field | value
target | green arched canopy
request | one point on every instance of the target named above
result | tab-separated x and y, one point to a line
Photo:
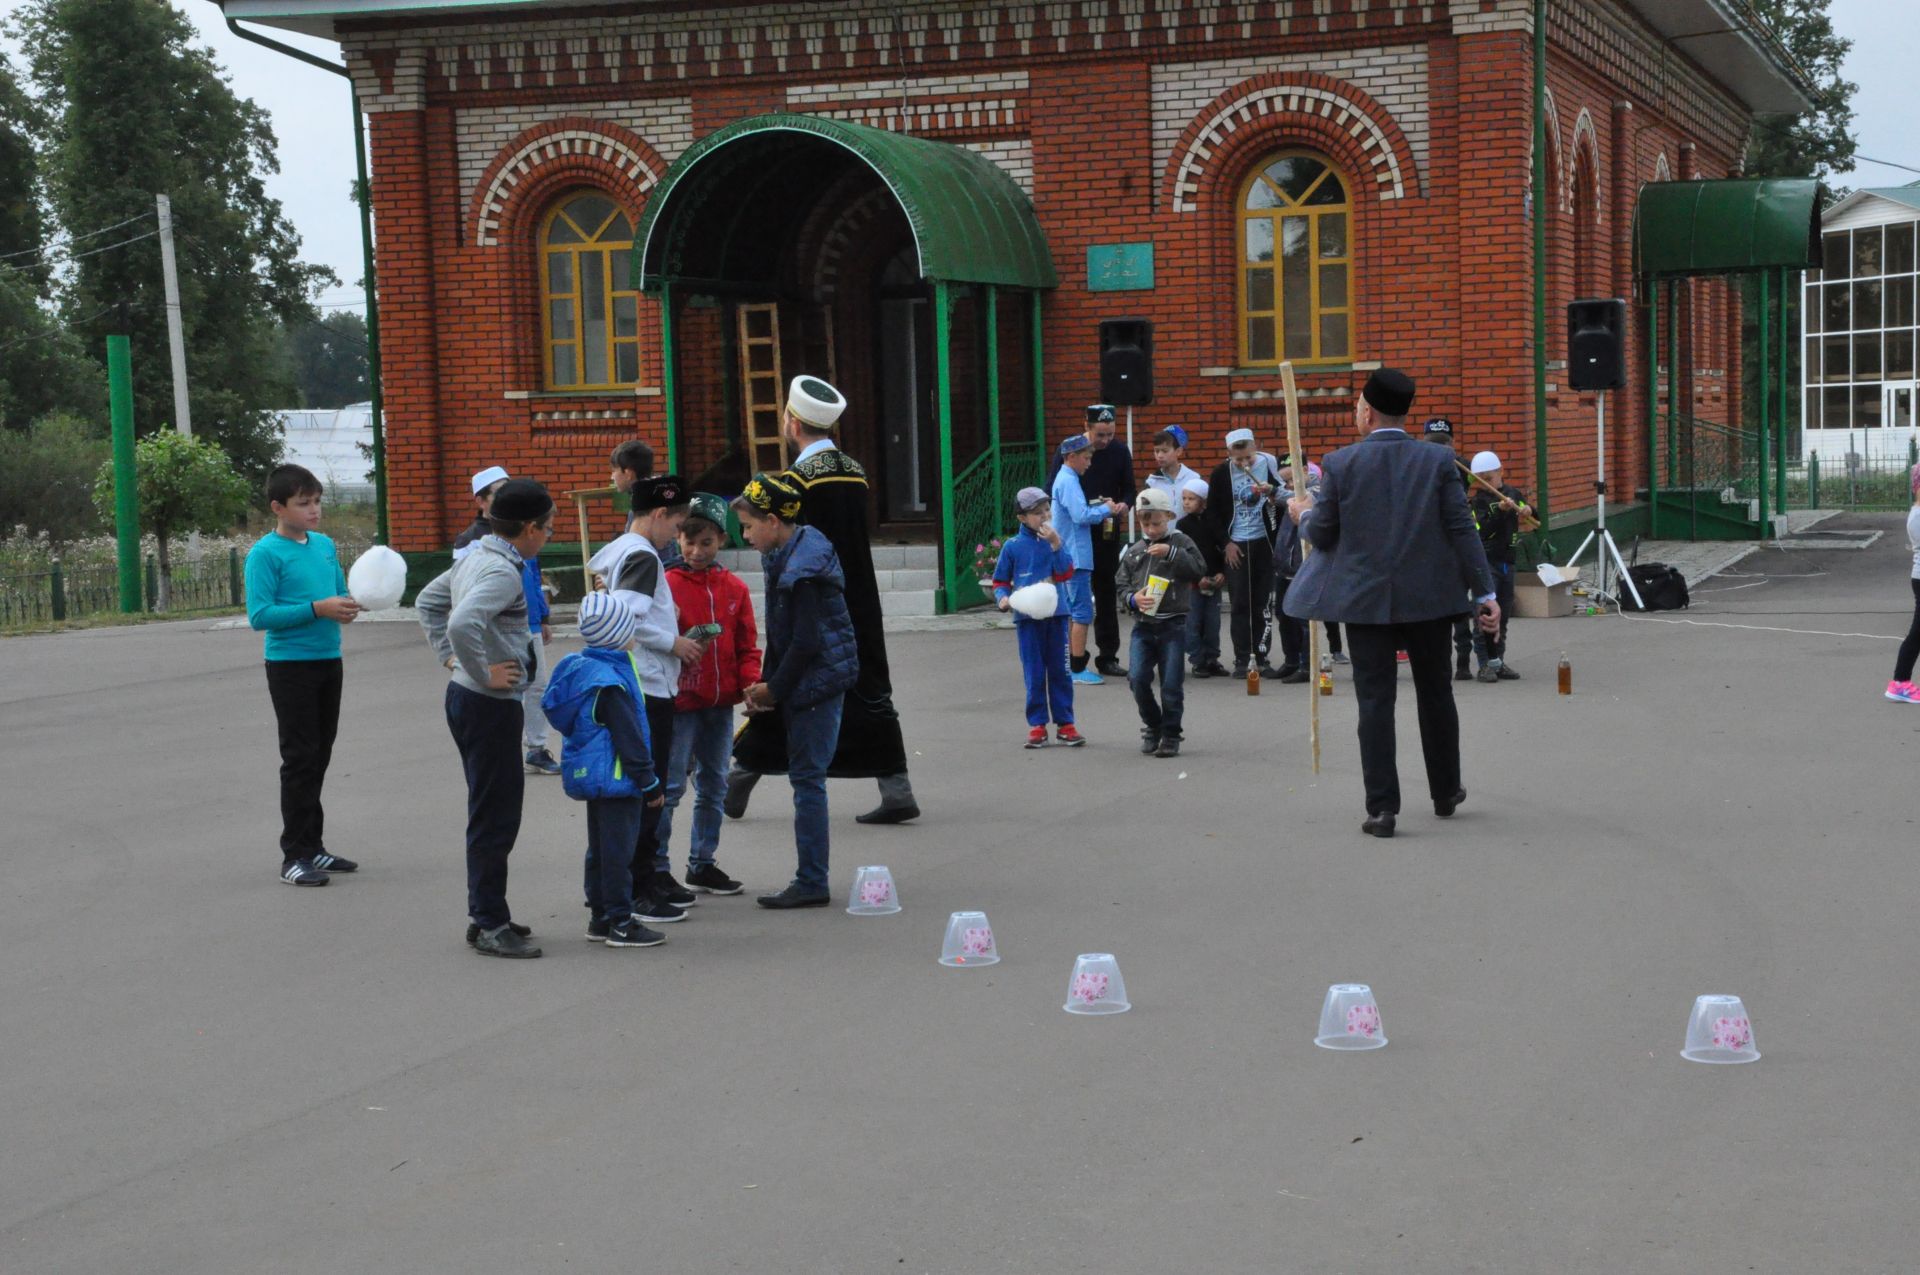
716	213
1726	227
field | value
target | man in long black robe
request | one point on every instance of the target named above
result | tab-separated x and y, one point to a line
834	488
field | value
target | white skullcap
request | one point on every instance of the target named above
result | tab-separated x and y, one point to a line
1198	486
1238	436
815	402
487	478
1484	463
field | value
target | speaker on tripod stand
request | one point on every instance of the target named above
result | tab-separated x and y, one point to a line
1597	360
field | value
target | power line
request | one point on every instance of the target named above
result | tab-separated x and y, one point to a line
74	239
1885	163
65	328
91	252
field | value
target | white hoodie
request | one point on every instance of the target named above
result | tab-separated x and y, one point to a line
634	574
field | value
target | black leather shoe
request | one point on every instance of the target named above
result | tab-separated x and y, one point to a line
1296	677
1462	672
1446	808
794	896
1109	668
1378	826
739	787
473	931
889	814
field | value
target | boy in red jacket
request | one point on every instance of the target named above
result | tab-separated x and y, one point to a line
707	594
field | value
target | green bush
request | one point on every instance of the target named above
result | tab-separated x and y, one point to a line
47	474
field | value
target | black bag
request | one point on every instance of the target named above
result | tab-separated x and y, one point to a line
1662	588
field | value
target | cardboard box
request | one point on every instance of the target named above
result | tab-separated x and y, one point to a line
1535	599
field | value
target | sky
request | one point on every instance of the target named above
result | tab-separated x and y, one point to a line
309	109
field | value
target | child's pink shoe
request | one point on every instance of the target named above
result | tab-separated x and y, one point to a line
1903	692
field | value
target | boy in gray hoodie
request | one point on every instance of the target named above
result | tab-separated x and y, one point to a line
475	617
1170	560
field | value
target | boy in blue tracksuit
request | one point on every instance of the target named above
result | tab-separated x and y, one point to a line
1077	517
594	698
1034	554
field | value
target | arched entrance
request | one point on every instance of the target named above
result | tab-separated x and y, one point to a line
909	272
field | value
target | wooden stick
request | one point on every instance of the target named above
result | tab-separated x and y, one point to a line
586	549
1525	517
1297	462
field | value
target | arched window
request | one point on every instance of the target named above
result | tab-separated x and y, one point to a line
1295	227
589	319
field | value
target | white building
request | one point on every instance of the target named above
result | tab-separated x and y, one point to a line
335	445
1857	376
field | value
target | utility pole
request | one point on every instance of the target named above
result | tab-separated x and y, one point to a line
176	339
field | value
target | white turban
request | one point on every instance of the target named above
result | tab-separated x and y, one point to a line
814	401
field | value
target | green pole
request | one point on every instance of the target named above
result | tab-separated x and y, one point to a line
126	495
993	398
1039	396
1766	390
942	363
1780	448
1653	410
1541	203
668	390
365	200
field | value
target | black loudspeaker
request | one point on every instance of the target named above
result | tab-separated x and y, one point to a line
1126	362
1597	344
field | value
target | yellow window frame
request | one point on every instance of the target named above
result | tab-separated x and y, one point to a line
1289	207
614	254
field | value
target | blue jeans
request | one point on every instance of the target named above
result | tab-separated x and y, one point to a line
702	748
1163	646
613	830
1043	661
812	733
1203	629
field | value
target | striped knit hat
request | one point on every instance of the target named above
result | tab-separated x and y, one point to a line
606	621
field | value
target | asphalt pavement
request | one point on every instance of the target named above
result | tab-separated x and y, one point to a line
206	1071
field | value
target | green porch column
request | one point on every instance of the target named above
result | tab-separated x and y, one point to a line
1780	446
993	396
1766	388
1653	410
1039	394
669	390
943	387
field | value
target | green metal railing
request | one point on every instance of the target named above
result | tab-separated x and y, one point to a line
1865	483
983	509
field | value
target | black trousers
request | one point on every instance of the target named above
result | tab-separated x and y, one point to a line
1463	642
1494	646
1375	681
1909	646
649	856
306	707
1293	633
1106	565
487	732
1249	585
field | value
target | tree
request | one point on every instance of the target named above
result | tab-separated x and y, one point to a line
42	365
182	484
1821	142
132	108
22	230
330	360
47	475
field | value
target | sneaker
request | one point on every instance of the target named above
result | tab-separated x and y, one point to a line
1216	669
1463	672
542	762
1199	670
1400	657
1069	736
1268	673
657	911
1037	737
630	933
302	872
710	878
668	890
739	787
473	931
333	863
1506	673
1149	743
1903	692
502	941
596	930
1340	657
1169	746
1489	673
1087	677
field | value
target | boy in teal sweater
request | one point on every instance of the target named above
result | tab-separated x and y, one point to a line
296	595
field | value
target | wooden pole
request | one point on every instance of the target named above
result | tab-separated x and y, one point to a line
1298	463
1525	518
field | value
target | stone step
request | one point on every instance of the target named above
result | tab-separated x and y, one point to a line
886	558
899	602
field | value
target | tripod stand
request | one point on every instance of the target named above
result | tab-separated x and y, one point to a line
1605	547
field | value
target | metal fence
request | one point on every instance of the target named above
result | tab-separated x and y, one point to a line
66	593
1851	481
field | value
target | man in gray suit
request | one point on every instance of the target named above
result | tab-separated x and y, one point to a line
1395	556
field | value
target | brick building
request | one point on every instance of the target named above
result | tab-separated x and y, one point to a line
1346	183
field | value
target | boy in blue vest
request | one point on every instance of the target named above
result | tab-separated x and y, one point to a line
1036	553
812	662
594	697
296	594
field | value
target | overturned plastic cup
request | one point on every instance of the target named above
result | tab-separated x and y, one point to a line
969	941
1096	986
1350	1019
873	892
1720	1032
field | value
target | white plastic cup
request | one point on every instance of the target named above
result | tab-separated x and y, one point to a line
1096	986
969	941
1720	1031
1350	1019
873	892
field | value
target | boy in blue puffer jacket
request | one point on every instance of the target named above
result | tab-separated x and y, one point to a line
811	663
594	698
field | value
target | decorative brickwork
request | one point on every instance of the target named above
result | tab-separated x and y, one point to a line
563	151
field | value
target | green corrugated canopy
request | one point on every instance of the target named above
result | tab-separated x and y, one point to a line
718	213
1727	226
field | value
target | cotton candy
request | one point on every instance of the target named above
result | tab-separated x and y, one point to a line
1036	601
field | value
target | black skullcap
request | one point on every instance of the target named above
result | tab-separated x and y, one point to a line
1390	392
662	491
1438	425
520	500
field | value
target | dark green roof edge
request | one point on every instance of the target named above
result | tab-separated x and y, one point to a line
971	222
1726	226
